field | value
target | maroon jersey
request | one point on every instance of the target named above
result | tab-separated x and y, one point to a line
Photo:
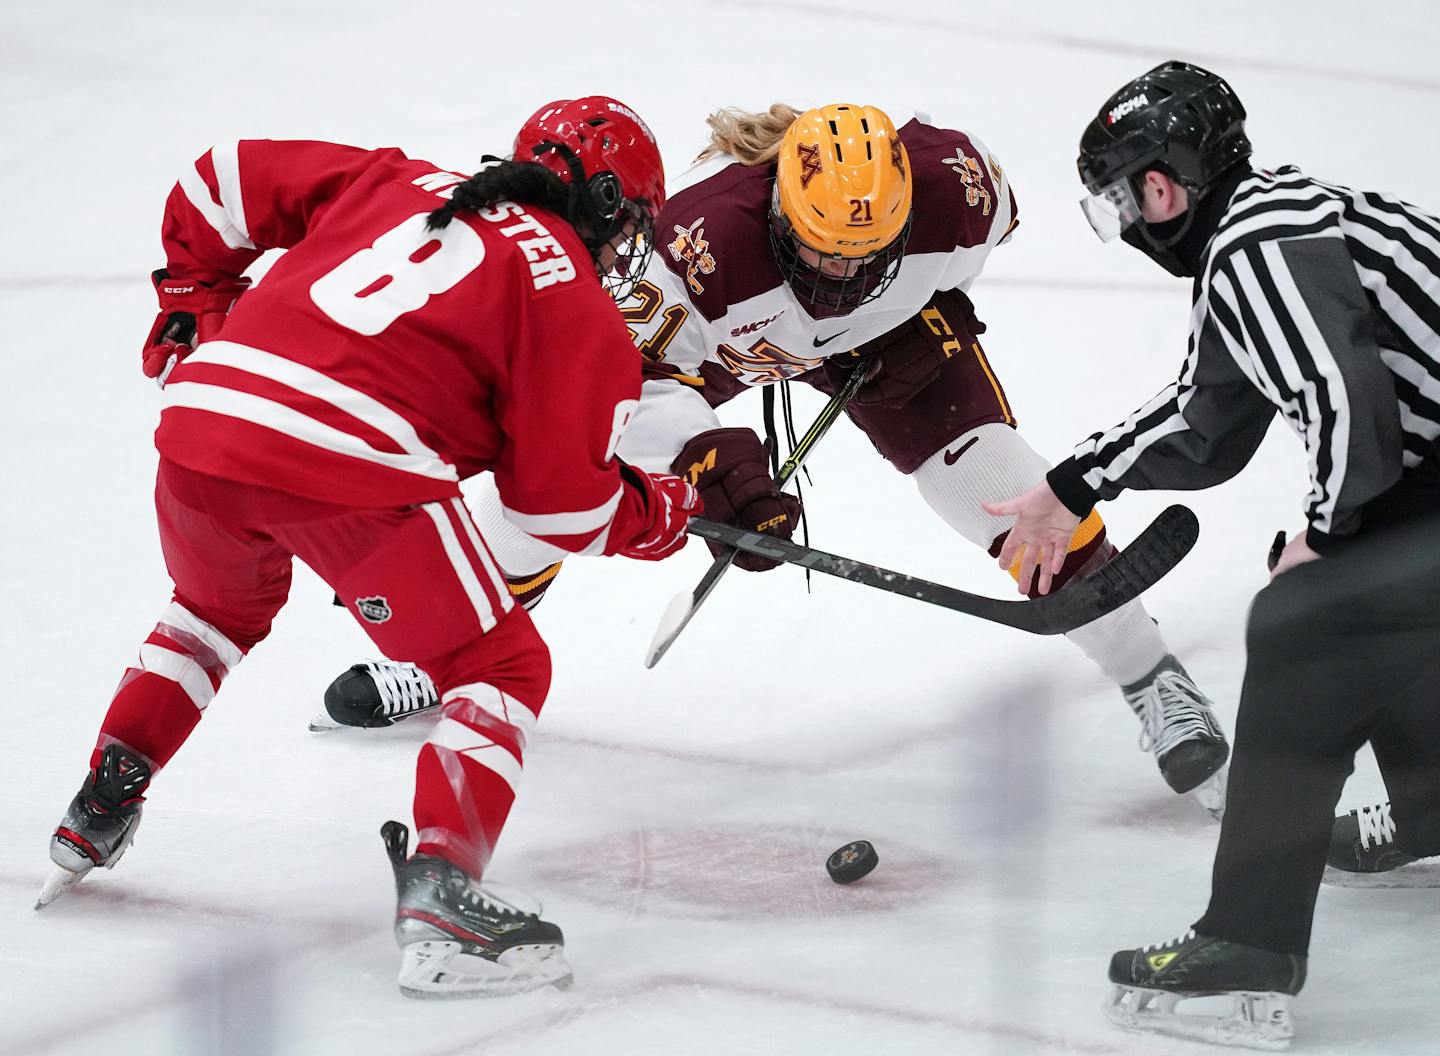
378	363
714	304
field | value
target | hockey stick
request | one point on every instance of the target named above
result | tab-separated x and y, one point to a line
1125	577
682	607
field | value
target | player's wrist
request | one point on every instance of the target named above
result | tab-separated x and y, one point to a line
1067	481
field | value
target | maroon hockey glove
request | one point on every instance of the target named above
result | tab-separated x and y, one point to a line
912	355
732	471
190	312
669	504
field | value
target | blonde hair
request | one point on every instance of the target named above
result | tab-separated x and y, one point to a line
751	138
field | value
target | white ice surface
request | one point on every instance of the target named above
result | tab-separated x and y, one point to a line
674	822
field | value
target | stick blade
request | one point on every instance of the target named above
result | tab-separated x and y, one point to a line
1137	568
672	621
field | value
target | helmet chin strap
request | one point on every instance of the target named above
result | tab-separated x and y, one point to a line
1160	241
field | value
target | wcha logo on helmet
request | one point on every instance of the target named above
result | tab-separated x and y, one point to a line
1129	106
691	248
375	609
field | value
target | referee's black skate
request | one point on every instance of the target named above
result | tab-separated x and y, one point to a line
1178	724
100	822
1149	983
377	693
459	940
1363	853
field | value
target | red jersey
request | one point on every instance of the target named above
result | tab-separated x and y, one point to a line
378	363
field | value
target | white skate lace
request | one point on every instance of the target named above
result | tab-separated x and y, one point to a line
404	688
1375	825
1173	942
1172	709
486	899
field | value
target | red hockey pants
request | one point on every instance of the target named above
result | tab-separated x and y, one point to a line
421	582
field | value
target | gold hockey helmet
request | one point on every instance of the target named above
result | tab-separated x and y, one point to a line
841	209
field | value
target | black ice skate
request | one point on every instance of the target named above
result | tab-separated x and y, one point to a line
457	940
1363	853
1259	984
377	693
100	823
1178	724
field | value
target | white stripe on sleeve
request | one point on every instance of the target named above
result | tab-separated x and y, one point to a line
226	159
574	523
197	191
290	422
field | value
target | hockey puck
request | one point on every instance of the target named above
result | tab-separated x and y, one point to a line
851	862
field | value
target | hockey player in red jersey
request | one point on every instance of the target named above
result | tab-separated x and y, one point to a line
806	245
410	337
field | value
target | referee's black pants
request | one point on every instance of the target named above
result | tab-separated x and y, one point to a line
1341	651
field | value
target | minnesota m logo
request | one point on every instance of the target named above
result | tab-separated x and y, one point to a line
697	468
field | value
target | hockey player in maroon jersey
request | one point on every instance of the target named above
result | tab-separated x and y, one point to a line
805	246
409	338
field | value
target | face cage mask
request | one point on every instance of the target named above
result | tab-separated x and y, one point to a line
827	296
632	255
1111	210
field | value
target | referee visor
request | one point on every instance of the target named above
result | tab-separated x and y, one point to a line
1111	209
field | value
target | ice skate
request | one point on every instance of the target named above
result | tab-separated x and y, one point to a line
1363	854
1252	990
376	693
100	823
1178	724
457	940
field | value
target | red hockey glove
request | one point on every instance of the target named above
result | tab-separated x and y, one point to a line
912	355
732	471
190	312
669	504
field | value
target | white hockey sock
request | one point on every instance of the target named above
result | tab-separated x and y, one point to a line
1126	645
517	552
994	462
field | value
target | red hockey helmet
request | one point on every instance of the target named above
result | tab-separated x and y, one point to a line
608	156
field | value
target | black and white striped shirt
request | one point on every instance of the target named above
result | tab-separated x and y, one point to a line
1314	300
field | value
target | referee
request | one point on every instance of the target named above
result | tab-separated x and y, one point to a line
1321	303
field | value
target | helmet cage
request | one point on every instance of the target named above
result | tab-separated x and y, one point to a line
600	212
826	296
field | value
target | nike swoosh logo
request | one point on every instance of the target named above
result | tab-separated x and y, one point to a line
951	457
818	342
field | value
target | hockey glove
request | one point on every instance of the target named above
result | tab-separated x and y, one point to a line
669	504
912	355
732	471
190	312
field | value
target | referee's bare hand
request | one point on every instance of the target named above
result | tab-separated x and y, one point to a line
1296	552
1040	537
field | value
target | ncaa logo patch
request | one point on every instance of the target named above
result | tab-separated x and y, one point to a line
375	609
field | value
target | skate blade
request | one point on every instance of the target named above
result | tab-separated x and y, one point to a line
323	723
1210	793
1257	1020
1423	874
57	883
437	969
